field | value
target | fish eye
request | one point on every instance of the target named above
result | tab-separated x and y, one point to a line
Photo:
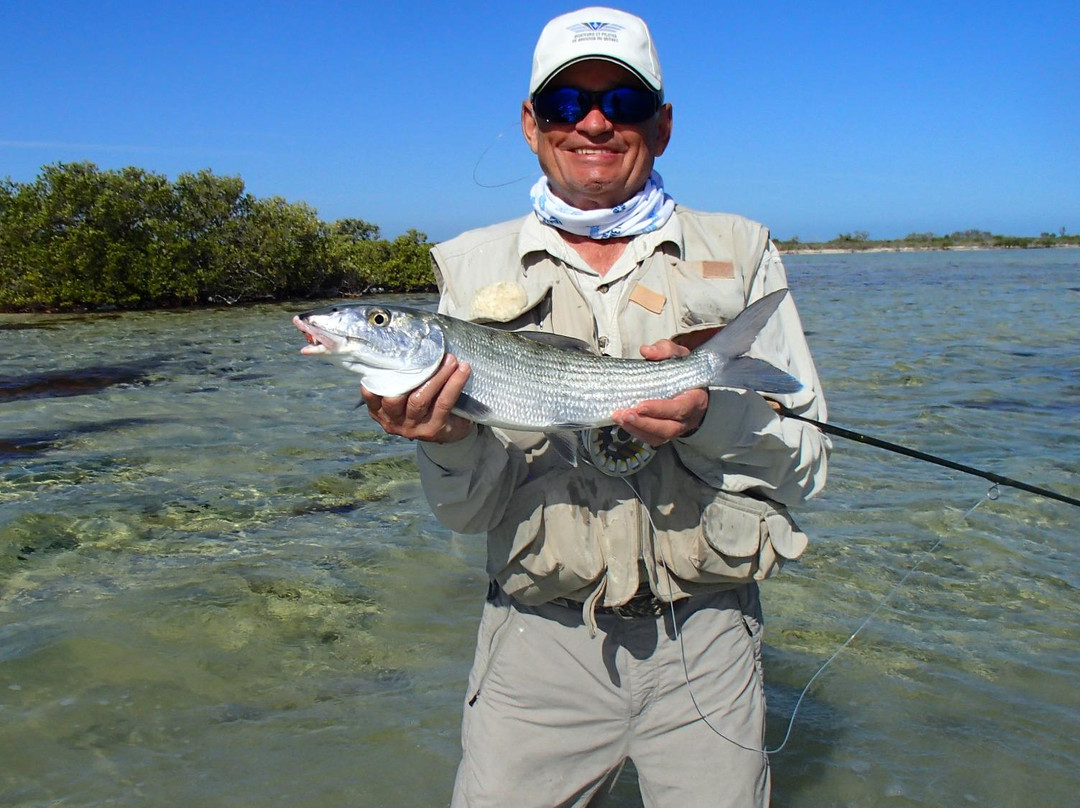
379	318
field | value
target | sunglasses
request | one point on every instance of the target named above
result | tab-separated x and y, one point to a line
619	105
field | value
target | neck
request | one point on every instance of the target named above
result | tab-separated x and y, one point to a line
600	255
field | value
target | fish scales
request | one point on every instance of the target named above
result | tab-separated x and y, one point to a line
524	381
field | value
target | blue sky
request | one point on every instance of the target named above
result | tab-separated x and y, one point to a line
815	118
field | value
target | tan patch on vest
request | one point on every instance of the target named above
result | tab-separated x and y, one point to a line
648	299
717	269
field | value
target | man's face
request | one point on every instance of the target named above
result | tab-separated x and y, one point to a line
595	163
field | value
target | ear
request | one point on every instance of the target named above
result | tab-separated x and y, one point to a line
529	127
664	124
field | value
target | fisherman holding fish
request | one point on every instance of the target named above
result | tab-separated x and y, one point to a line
622	620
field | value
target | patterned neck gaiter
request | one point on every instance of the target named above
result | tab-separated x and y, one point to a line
644	212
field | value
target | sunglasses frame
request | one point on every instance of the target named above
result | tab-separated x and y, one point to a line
595	99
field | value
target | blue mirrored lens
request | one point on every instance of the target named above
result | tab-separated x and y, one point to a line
619	105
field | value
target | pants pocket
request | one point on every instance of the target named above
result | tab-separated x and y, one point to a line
498	614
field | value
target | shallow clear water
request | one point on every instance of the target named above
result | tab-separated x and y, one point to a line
220	584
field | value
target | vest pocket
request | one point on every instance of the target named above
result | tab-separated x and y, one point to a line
544	547
701	298
738	538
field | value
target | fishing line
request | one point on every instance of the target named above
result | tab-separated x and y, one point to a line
992	494
678	634
476	166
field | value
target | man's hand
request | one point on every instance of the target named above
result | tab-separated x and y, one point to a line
424	414
660	420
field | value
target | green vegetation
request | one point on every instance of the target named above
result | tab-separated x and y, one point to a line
80	237
962	239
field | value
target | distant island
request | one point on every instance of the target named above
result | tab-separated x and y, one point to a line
860	241
79	238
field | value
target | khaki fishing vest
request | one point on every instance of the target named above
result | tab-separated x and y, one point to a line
577	533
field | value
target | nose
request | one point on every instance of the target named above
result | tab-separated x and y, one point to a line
595	123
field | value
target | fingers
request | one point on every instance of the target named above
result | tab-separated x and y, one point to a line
652	431
437	394
664	349
658	421
426	412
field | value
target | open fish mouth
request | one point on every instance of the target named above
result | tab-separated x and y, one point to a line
319	342
326	343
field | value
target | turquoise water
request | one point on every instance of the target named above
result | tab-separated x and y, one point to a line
220	584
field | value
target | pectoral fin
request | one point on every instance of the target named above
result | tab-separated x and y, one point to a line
565	443
472	409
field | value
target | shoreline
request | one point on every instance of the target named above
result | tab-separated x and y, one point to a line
78	310
809	250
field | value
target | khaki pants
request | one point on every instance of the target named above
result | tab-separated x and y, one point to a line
552	714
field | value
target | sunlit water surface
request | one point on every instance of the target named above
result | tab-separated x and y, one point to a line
220	584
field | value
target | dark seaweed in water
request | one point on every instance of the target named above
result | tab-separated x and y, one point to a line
74	382
53	322
28	444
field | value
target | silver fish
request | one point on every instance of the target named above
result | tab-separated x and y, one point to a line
520	380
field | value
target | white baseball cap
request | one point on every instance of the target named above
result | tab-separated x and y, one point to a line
595	33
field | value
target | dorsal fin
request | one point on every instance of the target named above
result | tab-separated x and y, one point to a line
558	341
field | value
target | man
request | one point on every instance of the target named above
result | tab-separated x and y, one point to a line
623	619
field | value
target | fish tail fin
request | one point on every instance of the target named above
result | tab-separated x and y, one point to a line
735	339
757	374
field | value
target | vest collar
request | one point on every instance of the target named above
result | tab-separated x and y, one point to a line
535	236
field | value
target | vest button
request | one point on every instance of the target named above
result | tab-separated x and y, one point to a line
602	342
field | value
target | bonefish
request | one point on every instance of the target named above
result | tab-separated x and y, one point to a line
525	380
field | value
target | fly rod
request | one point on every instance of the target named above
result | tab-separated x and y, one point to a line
929	458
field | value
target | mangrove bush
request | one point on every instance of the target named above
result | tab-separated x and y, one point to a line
81	237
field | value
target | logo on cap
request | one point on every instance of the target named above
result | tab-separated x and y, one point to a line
596	26
595	32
